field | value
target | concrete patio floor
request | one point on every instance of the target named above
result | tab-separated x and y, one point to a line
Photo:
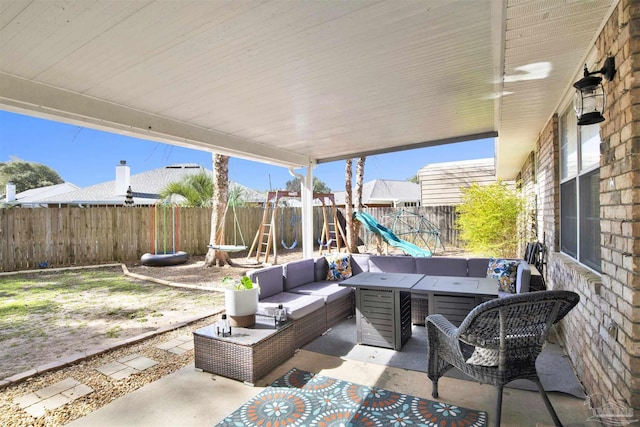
190	397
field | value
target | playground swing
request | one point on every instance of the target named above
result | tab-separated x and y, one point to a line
318	230
320	233
293	223
324	239
236	230
331	235
164	236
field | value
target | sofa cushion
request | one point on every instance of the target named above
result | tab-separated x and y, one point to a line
269	279
296	305
392	264
506	271
523	277
320	269
338	266
329	290
523	280
360	263
298	273
443	266
477	267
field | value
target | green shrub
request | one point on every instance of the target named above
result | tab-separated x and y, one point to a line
488	219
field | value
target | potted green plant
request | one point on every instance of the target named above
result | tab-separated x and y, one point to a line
241	300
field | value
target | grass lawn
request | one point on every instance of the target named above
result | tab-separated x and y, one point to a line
49	315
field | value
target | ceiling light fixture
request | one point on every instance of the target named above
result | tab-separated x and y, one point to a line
590	101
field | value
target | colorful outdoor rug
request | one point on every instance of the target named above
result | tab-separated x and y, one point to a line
301	398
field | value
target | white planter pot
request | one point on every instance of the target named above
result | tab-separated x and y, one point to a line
241	303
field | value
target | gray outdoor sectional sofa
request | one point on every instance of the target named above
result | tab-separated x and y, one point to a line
315	303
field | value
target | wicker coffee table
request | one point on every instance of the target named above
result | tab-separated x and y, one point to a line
248	354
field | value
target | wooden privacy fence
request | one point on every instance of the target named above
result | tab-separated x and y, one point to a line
58	237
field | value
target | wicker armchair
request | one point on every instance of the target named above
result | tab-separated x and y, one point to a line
511	329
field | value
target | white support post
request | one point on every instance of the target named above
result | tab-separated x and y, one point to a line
306	194
307	214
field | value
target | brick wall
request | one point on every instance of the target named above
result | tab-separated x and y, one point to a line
548	149
619	332
526	182
602	334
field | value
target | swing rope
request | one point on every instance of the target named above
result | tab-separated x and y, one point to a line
324	230
236	230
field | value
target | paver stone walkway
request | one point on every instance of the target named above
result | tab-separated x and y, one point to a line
126	366
52	396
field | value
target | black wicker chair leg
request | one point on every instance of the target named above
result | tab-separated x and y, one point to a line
498	406
547	403
434	389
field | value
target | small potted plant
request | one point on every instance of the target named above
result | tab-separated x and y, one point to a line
241	300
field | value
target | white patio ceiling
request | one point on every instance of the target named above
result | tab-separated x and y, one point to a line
298	82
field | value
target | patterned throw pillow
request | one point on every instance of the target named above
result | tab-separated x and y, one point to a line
484	357
506	271
339	266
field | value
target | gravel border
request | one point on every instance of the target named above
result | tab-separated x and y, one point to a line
105	389
82	366
78	357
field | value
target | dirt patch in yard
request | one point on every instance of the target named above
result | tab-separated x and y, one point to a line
51	315
194	272
48	316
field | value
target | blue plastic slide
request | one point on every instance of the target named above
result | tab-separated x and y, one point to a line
388	236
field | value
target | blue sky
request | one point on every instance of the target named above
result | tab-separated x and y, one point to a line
86	157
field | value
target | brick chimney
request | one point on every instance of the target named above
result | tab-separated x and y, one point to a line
123	178
10	192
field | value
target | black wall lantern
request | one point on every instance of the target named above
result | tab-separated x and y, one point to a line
590	100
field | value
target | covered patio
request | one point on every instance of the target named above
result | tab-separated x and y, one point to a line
188	397
298	83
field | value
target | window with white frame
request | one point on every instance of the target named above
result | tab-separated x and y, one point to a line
580	190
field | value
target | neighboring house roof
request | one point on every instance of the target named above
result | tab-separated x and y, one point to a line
145	186
35	196
440	183
385	191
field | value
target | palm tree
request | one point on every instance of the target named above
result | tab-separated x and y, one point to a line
359	186
353	227
348	204
191	191
204	191
219	202
319	186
